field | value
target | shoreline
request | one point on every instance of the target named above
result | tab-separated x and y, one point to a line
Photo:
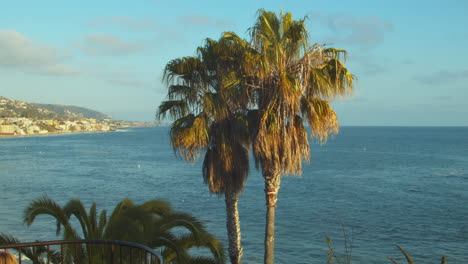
66	133
69	133
54	134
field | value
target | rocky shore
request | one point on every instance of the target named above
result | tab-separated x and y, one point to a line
11	127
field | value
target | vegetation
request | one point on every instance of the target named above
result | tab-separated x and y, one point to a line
207	101
73	111
15	108
153	224
38	255
410	259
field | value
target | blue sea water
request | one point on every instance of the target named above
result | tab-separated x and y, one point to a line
383	185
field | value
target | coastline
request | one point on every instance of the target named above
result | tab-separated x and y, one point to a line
54	134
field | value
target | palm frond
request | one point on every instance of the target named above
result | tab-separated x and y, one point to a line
321	117
407	256
175	108
76	208
45	206
189	135
102	223
158	207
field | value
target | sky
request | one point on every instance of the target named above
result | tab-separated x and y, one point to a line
409	57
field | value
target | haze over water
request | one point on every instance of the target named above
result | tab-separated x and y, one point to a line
386	185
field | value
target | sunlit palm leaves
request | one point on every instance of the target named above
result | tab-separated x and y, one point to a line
151	224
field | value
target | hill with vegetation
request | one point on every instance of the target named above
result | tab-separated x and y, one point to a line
15	108
73	111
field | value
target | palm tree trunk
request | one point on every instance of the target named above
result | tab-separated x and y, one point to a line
233	227
272	185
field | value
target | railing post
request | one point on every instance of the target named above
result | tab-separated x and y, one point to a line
112	254
48	254
90	254
131	255
76	253
120	254
102	254
61	253
71	251
19	255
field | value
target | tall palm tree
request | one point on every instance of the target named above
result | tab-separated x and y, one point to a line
292	85
208	102
151	224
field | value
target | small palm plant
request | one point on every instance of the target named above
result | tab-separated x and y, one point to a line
153	224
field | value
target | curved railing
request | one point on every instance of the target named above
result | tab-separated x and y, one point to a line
97	251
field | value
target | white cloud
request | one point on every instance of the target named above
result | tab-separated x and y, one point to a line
366	32
108	45
17	52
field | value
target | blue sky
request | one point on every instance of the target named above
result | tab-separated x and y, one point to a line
410	57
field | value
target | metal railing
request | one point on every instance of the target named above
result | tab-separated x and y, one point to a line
84	251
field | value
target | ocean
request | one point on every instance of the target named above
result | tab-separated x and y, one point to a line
382	186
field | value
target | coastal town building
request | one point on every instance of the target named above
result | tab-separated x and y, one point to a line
18	118
26	126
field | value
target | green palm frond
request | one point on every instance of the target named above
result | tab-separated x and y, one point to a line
205	240
407	256
76	208
214	106
45	206
187	69
175	108
186	221
189	135
177	91
102	223
159	207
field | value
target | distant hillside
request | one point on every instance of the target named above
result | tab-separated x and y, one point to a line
73	111
15	108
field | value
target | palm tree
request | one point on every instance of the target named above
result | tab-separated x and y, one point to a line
292	83
208	102
151	224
